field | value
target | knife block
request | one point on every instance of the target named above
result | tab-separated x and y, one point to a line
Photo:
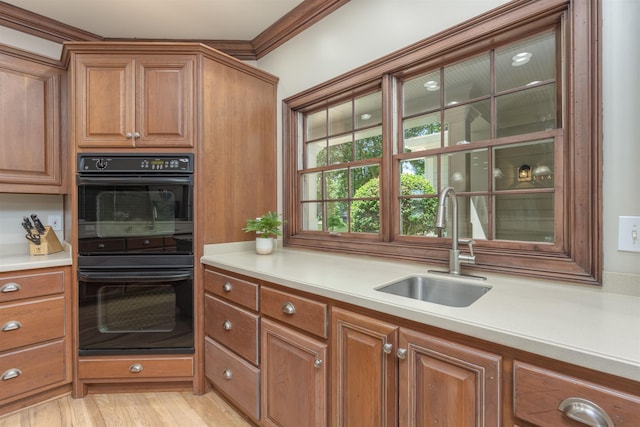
49	243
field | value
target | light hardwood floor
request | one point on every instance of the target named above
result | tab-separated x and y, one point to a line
129	410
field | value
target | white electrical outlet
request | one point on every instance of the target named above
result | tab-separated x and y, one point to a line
55	221
629	233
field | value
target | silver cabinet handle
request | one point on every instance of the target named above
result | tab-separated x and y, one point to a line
128	134
585	412
11	325
10	374
288	308
136	134
226	325
136	368
317	363
10	287
227	374
227	287
401	353
387	348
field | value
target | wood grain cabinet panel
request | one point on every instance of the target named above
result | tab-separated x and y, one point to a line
294	378
21	286
145	368
539	392
31	155
134	100
306	314
445	383
230	288
234	327
233	376
31	368
364	371
31	322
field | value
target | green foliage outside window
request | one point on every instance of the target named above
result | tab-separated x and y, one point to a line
418	214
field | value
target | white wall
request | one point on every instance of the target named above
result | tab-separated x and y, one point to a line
365	30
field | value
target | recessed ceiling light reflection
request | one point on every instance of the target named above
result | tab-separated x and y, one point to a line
432	85
521	58
365	116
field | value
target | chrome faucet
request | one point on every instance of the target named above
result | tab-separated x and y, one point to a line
456	257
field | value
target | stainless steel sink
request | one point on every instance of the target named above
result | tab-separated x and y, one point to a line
437	290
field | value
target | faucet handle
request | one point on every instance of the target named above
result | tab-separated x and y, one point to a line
469	242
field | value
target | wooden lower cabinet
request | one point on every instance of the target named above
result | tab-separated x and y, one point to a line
364	371
443	383
547	398
35	345
378	367
294	378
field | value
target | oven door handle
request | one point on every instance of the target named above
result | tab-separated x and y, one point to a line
137	276
137	179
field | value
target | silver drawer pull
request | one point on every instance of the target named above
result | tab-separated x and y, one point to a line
227	287
136	368
401	353
317	363
226	325
387	348
10	374
10	287
585	412
11	325
227	374
288	308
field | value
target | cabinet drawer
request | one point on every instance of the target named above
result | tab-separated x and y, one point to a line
31	368
235	377
539	392
31	322
30	285
232	326
297	311
135	367
236	290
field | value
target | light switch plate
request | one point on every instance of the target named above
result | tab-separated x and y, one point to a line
629	233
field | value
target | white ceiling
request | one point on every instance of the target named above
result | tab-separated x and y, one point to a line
165	19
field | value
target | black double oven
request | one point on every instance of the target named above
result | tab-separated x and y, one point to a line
135	253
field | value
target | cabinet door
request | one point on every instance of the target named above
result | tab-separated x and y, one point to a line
30	150
105	101
164	107
447	384
363	371
294	377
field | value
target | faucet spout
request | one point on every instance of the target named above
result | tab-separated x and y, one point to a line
455	256
441	219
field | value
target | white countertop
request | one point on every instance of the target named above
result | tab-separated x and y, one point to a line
16	257
577	324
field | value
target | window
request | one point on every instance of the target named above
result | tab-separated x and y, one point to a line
342	149
507	115
448	111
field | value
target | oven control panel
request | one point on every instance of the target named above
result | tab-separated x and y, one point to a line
181	163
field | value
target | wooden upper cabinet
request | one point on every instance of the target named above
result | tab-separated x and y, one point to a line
134	100
30	127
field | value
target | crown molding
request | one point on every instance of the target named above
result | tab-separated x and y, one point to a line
297	20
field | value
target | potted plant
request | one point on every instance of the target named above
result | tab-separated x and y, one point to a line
266	227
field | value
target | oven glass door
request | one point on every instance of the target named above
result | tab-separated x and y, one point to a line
135	215
124	312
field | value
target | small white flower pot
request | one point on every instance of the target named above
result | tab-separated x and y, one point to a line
264	245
